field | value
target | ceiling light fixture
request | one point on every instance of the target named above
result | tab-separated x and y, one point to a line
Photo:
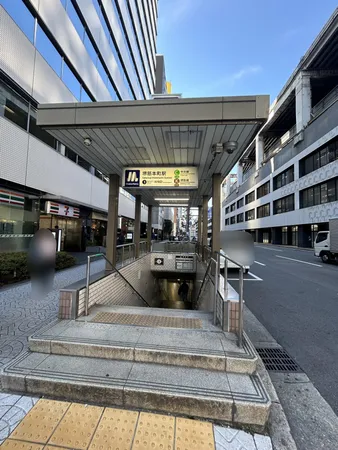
172	199
87	142
174	205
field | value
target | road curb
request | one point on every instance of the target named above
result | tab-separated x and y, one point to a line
278	425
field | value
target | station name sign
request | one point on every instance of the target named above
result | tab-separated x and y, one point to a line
161	177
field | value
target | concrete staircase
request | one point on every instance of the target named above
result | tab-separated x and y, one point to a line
197	372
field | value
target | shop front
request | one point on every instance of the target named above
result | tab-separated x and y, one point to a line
98	229
19	219
67	219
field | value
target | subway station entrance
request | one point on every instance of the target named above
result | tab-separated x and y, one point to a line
128	337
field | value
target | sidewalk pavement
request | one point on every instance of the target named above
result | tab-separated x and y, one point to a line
27	422
21	316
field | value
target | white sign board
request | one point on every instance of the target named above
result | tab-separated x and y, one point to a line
161	177
62	210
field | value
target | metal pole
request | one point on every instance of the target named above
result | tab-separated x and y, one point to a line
87	286
240	312
225	296
129	253
122	256
216	288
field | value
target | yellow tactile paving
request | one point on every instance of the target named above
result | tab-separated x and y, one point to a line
155	432
11	444
77	427
41	421
115	431
193	434
147	321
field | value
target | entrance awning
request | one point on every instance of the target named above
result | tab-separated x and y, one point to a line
160	132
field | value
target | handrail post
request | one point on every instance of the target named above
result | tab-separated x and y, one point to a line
87	286
122	256
240	312
216	288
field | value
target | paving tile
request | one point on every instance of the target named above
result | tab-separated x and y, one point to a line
11	444
232	439
77	427
13	413
154	432
262	442
41	421
181	339
116	430
193	434
241	384
8	400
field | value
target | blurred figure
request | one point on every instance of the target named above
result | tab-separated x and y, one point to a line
41	262
183	291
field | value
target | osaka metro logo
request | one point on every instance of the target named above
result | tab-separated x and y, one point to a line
132	178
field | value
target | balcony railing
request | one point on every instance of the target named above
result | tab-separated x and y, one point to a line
325	103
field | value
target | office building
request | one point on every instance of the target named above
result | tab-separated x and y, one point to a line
287	186
58	51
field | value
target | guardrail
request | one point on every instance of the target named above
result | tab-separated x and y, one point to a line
213	261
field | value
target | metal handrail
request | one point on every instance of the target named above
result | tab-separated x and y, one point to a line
216	289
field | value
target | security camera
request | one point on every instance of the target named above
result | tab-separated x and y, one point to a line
230	146
87	141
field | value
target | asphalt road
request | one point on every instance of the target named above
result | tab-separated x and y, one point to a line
297	301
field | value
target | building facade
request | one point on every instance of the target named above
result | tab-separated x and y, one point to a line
58	51
287	180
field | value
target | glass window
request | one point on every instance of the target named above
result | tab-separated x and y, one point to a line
263	190
323	193
76	21
70	154
48	51
84	96
321	237
263	211
102	71
90	48
83	163
112	91
283	205
333	151
233	207
250	215
13	107
284	178
38	132
331	190
250	197
240	203
233	220
227	210
71	81
316	195
240	218
21	16
226	221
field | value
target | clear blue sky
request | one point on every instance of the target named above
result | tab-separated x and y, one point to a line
236	47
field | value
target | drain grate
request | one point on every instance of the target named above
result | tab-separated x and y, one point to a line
278	360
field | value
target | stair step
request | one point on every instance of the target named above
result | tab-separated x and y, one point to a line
236	399
213	350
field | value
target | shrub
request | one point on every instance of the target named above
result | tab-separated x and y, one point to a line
14	265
